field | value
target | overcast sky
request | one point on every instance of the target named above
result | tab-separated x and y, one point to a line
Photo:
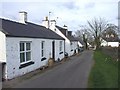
72	13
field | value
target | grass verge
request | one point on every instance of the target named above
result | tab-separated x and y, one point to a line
104	73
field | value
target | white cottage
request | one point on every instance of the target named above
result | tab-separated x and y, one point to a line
25	46
112	42
71	43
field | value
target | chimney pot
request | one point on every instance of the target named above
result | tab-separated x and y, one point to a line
46	18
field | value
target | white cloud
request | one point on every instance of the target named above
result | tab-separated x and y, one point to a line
70	12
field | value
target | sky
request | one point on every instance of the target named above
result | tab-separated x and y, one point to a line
72	13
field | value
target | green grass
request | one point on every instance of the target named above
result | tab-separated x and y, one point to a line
104	73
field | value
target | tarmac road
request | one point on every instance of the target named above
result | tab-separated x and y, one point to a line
71	74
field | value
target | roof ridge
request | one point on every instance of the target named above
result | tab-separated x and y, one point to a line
12	21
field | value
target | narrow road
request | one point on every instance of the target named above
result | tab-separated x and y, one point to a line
71	74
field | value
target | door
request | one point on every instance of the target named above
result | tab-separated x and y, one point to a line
2	71
53	50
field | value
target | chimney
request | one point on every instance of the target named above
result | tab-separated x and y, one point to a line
65	27
52	24
23	17
70	33
45	22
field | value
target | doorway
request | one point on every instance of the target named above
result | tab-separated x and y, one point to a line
2	71
53	50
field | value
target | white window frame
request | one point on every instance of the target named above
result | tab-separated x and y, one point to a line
25	51
42	49
71	45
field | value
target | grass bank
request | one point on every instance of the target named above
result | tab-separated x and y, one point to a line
104	73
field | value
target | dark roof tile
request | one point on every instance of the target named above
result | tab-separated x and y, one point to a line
63	30
15	29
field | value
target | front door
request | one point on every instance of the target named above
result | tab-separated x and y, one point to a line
53	50
2	71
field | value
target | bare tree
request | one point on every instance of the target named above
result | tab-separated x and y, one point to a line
95	30
79	33
111	31
96	27
85	35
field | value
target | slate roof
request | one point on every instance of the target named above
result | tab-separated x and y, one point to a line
29	30
63	30
72	38
111	39
80	40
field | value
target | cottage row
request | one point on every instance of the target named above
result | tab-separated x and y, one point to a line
26	46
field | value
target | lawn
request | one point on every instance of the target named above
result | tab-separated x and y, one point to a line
104	73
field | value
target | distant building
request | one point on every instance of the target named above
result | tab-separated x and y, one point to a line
112	42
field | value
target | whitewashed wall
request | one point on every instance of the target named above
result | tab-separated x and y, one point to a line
67	41
57	50
56	30
79	44
113	44
104	43
74	47
13	55
2	47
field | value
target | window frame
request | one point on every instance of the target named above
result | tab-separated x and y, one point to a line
25	51
71	45
42	49
60	46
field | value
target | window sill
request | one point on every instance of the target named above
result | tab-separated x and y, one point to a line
61	53
44	58
26	64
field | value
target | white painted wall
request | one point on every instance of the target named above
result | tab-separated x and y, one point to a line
13	55
79	44
104	43
2	47
74	47
57	50
67	41
113	44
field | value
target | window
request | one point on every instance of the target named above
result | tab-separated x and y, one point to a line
25	52
43	48
60	46
71	45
